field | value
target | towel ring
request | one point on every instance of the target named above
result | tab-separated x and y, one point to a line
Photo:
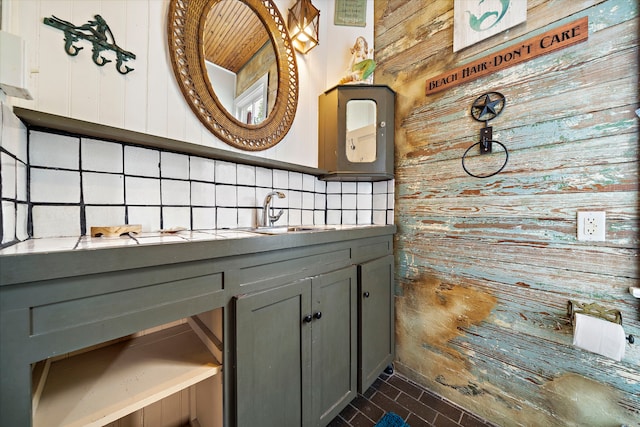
506	159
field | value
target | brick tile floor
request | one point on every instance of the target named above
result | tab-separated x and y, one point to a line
419	407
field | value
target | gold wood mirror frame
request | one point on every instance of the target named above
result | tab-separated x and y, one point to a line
185	31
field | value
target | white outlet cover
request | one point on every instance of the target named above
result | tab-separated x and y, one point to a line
592	226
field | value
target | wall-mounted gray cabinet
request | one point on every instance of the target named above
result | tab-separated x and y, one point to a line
296	351
356	133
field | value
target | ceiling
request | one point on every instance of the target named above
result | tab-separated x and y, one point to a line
233	34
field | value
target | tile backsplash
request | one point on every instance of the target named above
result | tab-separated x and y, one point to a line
61	185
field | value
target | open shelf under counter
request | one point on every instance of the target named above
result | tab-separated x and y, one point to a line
97	387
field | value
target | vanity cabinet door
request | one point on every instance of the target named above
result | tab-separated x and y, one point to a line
376	320
273	349
296	351
334	346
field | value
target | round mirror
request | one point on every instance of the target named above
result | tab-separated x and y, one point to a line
236	68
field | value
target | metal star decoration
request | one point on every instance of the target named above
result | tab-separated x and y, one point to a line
487	106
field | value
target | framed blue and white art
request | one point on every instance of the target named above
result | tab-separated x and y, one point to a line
476	20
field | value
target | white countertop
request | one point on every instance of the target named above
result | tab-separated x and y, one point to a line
58	244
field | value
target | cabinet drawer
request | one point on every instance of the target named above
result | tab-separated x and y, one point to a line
100	308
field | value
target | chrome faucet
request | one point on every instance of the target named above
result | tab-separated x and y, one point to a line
269	218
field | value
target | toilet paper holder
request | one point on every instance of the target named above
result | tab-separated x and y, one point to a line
596	310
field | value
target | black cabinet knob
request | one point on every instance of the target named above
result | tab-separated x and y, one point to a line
318	315
308	318
366	295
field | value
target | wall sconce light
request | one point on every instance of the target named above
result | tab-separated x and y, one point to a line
303	24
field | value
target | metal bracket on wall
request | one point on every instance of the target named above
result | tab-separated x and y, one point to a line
98	33
486	107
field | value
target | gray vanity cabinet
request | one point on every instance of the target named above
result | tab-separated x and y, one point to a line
375	319
296	351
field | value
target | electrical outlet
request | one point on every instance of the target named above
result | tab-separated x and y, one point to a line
591	226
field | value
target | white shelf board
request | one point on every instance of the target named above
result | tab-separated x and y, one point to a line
103	385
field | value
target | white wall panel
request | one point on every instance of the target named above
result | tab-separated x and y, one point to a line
135	96
148	99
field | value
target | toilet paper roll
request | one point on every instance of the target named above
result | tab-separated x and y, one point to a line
599	336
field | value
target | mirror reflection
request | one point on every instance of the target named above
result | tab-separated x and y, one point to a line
240	61
361	131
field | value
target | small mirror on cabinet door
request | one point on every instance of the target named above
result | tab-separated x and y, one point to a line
360	144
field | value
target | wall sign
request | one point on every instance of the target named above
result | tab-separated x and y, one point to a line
476	20
558	38
352	13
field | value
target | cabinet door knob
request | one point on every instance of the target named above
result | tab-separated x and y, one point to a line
366	294
308	318
318	315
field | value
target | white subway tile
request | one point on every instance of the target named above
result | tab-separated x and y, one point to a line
334	217
308	182
102	188
349	201
226	196
14	133
9	213
227	218
320	201
295	181
21	181
319	217
364	201
202	169
147	216
334	201
141	161
203	218
349	187
380	187
365	187
9	176
175	192
246	197
334	187
104	216
280	179
55	186
22	232
390	216
246	217
391	185
176	216
54	151
321	186
379	217
246	175
203	194
380	201
295	199
390	201
174	165
56	221
295	217
101	156
264	177
349	217
142	191
307	217
226	172
363	217
308	200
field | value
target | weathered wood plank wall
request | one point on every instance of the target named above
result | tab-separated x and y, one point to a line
485	267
